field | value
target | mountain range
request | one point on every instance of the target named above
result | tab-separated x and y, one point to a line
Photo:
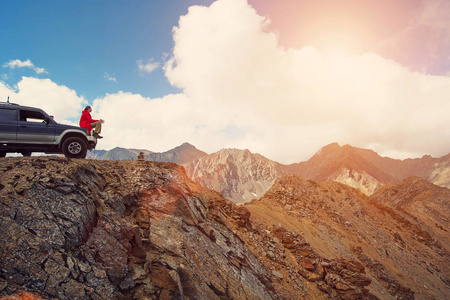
242	176
366	170
179	155
88	229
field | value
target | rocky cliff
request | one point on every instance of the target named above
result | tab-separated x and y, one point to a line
80	229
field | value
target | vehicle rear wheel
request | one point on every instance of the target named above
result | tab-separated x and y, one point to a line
2	154
74	147
26	153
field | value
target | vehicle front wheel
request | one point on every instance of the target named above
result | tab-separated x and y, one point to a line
74	147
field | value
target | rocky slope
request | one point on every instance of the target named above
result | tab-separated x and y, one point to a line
400	235
84	229
238	174
81	229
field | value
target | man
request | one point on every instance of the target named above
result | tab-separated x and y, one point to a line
87	122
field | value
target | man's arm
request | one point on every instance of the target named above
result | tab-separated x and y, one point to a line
89	118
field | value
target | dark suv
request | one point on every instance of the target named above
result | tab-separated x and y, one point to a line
27	129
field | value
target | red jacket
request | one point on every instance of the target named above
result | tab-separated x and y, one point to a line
86	120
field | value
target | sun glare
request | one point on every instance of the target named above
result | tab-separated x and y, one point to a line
337	44
335	51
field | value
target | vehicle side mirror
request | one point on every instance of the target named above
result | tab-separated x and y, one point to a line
47	120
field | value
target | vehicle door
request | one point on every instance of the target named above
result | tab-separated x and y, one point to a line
8	125
35	127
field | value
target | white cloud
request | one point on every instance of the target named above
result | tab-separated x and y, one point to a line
148	67
241	89
291	102
59	101
136	122
24	64
20	64
109	77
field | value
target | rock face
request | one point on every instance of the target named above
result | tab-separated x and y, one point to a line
238	174
81	229
397	240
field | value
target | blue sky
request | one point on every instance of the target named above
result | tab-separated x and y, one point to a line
78	42
281	78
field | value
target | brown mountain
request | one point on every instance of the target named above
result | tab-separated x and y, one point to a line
242	176
400	235
238	174
435	170
86	229
345	165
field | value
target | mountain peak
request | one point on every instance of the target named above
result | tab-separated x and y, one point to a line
233	150
180	155
330	147
186	145
239	175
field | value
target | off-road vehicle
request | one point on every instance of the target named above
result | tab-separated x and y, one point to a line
28	129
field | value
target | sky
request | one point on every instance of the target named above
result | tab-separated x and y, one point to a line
280	78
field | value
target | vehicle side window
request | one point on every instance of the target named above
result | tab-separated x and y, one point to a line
8	114
31	116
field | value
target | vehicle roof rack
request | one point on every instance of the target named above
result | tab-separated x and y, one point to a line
8	103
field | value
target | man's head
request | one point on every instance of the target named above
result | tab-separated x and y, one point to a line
88	108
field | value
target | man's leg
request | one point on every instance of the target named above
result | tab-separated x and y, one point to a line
97	127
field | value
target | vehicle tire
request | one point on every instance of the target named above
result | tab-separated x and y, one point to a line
2	154
74	147
26	153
